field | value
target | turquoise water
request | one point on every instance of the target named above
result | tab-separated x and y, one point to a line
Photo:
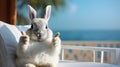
84	35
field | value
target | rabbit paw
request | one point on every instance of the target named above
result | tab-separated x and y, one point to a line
30	65
24	39
56	40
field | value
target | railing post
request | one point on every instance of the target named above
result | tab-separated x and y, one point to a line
102	56
62	54
93	55
113	57
117	56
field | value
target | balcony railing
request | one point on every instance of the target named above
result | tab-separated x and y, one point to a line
114	52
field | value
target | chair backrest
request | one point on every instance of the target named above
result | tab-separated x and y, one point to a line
4	58
9	37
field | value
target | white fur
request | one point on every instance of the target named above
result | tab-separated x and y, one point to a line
39	53
33	52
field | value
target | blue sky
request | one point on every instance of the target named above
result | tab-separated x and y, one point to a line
87	15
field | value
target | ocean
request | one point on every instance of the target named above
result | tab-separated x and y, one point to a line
89	35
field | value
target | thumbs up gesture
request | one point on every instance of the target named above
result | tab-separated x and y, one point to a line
24	38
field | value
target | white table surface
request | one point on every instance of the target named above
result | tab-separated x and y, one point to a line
84	64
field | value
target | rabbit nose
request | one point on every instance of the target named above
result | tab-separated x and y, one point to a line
39	35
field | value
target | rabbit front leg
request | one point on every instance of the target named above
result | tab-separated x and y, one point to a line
29	65
56	40
24	41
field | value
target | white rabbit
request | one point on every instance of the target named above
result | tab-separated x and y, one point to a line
37	47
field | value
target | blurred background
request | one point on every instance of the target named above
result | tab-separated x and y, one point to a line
85	23
81	20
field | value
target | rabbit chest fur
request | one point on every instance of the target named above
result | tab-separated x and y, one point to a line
40	53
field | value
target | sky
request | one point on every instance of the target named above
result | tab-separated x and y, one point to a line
87	15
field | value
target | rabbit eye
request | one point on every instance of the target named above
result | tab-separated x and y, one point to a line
46	27
32	26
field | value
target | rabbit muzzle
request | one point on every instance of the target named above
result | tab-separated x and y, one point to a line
38	35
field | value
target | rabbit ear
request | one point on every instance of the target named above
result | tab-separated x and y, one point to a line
48	12
32	12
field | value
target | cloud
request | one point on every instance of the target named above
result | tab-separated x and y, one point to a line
73	8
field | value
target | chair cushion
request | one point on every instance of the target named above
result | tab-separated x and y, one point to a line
11	35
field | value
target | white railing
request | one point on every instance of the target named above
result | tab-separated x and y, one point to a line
115	52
